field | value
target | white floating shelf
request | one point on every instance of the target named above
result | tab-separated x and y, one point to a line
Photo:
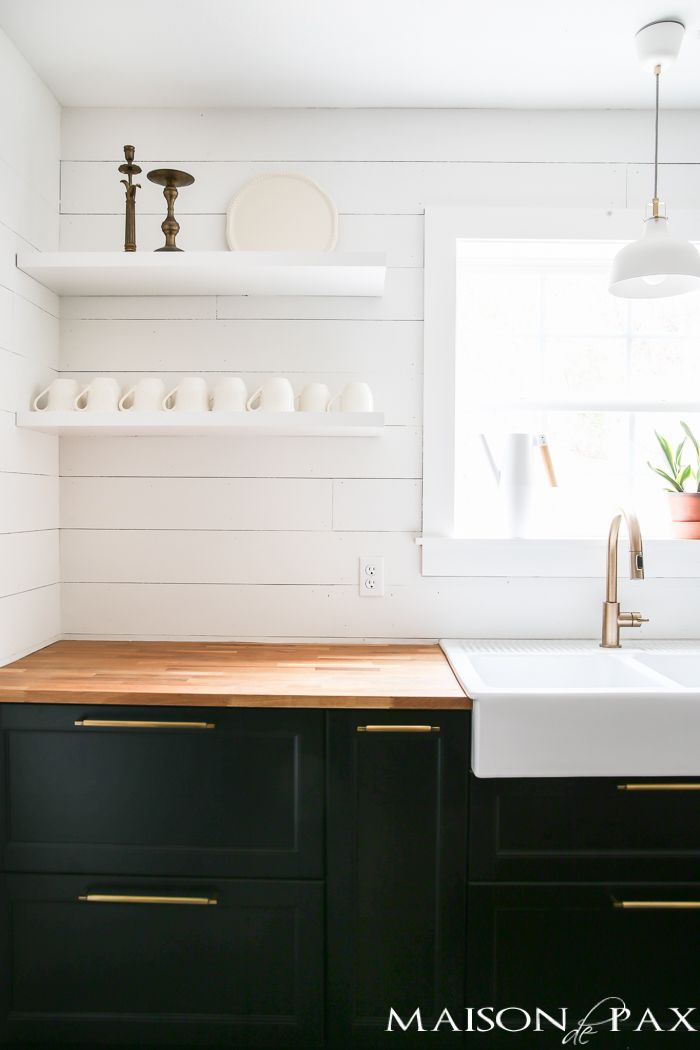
186	424
207	273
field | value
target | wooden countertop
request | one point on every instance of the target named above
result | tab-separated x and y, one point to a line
230	675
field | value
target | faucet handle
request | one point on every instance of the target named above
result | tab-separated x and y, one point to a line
631	619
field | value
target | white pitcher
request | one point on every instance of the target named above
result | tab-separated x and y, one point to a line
515	482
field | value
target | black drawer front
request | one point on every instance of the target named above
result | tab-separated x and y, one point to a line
248	969
585	829
564	946
243	798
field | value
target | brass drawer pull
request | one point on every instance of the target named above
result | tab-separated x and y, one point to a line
648	905
398	729
127	898
659	787
121	723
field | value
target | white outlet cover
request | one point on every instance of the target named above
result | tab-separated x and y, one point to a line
371	580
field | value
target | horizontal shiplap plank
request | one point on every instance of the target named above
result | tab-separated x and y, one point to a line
195	503
240	611
402	301
138	556
27	502
139	307
679	186
476	608
288	347
33	217
395	454
374	187
20	381
399	237
377	134
28	330
28	560
24	452
29	621
388	506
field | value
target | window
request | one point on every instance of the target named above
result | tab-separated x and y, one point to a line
530	341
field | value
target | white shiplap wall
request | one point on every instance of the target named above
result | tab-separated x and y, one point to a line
250	538
29	335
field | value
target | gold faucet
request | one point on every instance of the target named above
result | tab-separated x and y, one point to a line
613	619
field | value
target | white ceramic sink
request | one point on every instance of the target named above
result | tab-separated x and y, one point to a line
683	668
495	674
573	709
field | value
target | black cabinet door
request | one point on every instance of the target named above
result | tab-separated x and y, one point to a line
565	946
396	871
584	829
155	961
163	791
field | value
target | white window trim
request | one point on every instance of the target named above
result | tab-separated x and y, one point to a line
444	554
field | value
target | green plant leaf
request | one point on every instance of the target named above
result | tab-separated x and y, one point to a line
666	477
692	437
666	449
679	455
684	475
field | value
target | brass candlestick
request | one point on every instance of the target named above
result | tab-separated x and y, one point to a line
170	179
129	169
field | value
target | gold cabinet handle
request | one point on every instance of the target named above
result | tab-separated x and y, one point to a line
659	787
648	905
128	898
398	729
121	723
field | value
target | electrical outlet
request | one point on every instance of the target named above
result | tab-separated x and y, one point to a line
371	577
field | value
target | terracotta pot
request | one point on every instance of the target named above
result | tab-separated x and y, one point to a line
685	515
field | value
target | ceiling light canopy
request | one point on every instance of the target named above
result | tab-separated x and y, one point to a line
657	265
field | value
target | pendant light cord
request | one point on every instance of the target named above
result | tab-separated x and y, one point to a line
657	74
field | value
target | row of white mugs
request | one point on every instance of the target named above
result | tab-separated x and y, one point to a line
192	394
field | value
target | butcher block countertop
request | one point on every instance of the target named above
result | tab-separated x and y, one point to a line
208	674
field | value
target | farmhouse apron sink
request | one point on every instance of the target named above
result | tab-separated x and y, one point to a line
572	709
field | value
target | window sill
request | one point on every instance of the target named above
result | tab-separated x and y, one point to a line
449	556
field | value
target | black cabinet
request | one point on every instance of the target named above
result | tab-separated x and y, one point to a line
585	829
396	870
164	791
566	946
164	961
583	890
181	875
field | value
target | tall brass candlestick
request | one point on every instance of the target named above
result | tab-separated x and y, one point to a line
170	179
129	169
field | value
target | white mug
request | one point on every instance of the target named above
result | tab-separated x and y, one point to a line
100	395
190	395
275	395
229	395
313	398
144	396
356	397
60	396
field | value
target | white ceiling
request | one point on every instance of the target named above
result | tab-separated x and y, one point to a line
497	53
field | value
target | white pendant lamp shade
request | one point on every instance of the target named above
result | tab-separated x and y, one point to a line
655	266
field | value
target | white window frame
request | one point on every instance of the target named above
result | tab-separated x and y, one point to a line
444	553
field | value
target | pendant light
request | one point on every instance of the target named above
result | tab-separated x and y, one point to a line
657	265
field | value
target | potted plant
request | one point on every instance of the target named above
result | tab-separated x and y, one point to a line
684	501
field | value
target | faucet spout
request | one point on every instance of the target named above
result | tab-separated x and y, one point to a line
613	619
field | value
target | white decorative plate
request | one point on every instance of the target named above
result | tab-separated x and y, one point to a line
282	212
